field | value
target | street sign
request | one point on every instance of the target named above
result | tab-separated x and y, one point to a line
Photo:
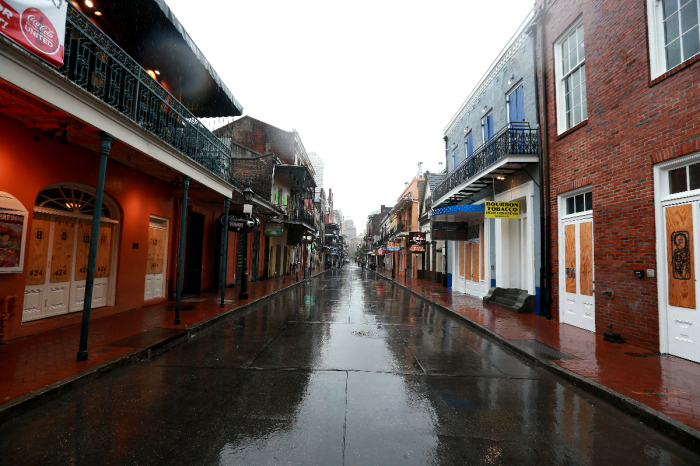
238	222
497	209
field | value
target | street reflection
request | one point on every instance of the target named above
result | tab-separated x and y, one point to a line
344	369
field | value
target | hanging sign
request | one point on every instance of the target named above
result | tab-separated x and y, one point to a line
390	246
13	232
416	241
496	209
37	25
238	221
273	229
451	231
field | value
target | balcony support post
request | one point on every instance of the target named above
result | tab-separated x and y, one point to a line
227	204
181	249
105	146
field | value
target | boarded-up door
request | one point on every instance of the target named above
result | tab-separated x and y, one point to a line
155	258
683	320
577	273
37	267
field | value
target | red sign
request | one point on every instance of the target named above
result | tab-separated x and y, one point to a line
37	25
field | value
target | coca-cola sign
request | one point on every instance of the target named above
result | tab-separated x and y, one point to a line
37	25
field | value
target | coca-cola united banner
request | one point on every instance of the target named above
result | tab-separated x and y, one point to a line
37	25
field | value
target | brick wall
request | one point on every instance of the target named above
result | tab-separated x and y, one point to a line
631	122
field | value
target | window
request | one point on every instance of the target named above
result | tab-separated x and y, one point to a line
569	52
487	127
455	158
684	179
674	34
469	144
579	203
516	105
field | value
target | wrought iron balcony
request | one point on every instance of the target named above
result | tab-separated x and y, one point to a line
98	65
301	215
513	139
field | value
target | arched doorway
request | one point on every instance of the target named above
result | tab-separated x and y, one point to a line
58	252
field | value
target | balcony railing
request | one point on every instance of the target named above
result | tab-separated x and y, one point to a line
514	139
98	65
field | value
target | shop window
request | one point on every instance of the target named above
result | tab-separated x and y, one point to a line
683	179
473	232
579	203
674	33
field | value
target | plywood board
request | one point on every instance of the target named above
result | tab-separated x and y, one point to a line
104	251
475	262
460	251
570	257
156	250
82	251
62	252
586	269
481	235
38	249
468	261
681	266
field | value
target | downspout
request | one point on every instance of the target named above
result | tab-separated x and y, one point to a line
545	205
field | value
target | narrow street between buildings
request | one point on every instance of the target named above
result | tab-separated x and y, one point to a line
346	368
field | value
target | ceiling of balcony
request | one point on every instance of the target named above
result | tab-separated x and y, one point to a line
151	34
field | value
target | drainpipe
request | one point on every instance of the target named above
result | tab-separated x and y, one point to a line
105	146
227	203
545	205
181	249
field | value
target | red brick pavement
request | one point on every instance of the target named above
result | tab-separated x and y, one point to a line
666	383
33	362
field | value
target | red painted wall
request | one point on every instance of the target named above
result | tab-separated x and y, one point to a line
29	162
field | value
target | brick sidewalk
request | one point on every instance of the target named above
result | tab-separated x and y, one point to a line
665	383
31	363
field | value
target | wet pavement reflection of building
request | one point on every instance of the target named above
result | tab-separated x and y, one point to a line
345	369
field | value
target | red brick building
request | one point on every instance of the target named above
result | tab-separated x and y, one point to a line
621	103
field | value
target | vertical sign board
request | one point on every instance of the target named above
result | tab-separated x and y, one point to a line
37	25
13	229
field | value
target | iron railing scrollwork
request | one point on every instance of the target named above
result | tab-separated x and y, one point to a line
513	139
99	66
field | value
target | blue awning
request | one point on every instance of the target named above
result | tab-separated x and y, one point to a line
454	209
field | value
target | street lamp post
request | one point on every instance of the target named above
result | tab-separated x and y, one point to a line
247	210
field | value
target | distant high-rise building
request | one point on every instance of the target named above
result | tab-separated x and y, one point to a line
317	163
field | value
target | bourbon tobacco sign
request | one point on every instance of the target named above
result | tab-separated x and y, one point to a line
496	209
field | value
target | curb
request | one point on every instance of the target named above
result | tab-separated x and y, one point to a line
38	397
662	423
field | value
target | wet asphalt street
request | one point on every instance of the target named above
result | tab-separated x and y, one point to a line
345	369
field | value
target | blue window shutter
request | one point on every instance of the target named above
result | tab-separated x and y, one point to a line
513	107
489	127
470	145
455	156
521	103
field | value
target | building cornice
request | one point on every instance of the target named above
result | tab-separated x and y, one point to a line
513	45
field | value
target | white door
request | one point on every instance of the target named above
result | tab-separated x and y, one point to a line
102	266
576	276
681	256
156	258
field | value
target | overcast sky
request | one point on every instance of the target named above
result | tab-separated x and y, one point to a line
369	85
